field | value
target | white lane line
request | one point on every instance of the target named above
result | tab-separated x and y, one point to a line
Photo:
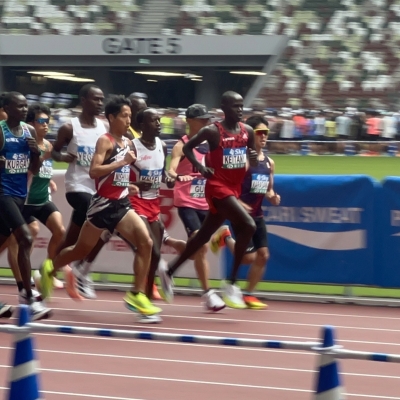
219	318
218	332
206	363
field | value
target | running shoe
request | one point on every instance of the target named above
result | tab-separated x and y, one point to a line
141	304
84	284
57	283
156	295
148	319
39	311
167	282
46	280
233	297
70	284
5	310
23	299
165	236
253	303
212	301
218	239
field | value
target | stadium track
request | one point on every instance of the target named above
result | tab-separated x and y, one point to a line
120	369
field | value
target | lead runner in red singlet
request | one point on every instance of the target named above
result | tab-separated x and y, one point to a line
230	142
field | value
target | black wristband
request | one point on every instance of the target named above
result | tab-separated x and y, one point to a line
178	178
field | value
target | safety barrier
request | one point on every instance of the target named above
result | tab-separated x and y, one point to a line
24	376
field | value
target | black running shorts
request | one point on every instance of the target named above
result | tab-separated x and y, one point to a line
259	238
79	201
40	212
11	214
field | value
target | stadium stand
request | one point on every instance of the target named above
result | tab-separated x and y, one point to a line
341	52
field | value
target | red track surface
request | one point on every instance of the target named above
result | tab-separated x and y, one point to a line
121	369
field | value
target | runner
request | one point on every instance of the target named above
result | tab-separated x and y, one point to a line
147	173
19	153
258	184
137	104
80	136
230	142
189	196
110	208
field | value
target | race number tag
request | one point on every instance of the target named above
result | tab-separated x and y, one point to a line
154	176
197	188
17	163
234	158
84	155
46	170
121	176
259	183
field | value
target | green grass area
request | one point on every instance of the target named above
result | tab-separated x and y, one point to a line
376	167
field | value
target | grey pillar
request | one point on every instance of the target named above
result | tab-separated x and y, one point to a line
207	92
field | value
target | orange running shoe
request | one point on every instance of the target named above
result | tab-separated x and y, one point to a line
253	303
218	239
70	284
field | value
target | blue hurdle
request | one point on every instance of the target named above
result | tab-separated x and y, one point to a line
24	379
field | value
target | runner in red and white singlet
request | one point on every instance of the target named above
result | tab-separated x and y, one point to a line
230	143
110	207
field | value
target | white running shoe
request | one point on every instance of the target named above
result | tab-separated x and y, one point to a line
212	301
167	283
149	319
84	284
22	299
39	311
233	297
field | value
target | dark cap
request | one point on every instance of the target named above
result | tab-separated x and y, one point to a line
197	111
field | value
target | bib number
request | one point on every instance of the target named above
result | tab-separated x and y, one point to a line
84	155
197	188
121	176
259	183
17	163
234	158
46	170
154	176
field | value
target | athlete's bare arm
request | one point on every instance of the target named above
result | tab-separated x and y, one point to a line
176	156
271	195
64	136
253	156
210	134
103	150
35	161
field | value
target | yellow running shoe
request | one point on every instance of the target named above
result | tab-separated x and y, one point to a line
46	279
218	239
141	303
253	303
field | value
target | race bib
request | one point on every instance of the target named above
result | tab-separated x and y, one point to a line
17	163
84	155
121	176
46	170
259	183
154	176
234	158
197	188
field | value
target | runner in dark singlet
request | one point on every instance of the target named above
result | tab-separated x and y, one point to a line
257	185
230	143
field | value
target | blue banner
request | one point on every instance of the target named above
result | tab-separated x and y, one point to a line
322	232
387	228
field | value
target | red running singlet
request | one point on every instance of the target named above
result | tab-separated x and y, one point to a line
229	163
114	186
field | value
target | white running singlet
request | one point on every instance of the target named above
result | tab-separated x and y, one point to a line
149	167
82	146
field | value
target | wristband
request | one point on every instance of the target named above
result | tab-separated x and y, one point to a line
178	178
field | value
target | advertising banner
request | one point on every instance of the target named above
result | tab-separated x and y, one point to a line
322	232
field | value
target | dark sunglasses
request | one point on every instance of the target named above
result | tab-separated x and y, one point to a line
261	132
43	121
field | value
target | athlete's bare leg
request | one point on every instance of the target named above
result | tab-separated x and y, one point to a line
156	231
228	208
248	258
134	230
257	268
88	237
55	225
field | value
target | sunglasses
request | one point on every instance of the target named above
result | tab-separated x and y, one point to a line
261	132
43	121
